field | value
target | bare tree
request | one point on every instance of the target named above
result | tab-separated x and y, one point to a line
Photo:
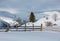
16	24
18	20
7	29
46	18
55	17
48	24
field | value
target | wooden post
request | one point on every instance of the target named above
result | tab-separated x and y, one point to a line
7	29
16	27
41	28
25	28
32	27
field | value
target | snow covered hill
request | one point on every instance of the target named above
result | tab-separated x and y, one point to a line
50	18
7	17
44	20
37	23
25	16
54	25
8	20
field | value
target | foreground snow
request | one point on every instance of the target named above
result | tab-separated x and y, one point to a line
29	36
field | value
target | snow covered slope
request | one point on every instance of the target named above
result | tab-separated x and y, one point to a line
25	16
8	20
29	36
50	19
8	17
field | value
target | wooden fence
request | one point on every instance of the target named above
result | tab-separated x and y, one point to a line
31	28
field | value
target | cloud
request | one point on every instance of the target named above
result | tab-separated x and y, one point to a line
12	11
30	5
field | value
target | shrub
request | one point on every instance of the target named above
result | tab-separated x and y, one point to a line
48	24
54	24
7	29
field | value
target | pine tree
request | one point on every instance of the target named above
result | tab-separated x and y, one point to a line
32	17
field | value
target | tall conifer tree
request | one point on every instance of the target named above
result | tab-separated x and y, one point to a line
32	17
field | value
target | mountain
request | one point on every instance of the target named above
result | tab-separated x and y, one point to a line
7	18
6	14
23	16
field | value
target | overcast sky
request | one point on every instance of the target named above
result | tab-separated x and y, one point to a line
15	6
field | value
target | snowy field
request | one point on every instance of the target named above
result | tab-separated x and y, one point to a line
29	36
48	33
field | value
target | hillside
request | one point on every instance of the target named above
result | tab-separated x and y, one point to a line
50	18
6	14
8	20
55	25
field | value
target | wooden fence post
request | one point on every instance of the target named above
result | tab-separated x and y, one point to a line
7	29
25	28
32	27
41	28
16	27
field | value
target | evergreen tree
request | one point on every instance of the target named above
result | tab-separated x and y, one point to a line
32	17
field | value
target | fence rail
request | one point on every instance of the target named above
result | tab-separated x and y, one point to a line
28	28
25	28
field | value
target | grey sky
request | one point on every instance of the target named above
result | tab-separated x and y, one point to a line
29	5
